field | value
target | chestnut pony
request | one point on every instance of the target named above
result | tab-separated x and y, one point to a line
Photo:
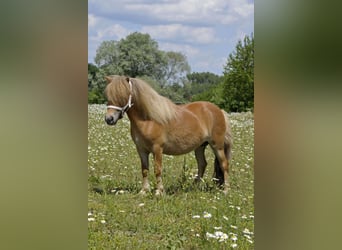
159	126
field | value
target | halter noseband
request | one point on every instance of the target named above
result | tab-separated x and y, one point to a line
129	104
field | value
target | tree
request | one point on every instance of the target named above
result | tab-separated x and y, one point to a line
235	90
176	68
203	78
108	57
96	84
213	94
202	81
92	70
238	86
139	55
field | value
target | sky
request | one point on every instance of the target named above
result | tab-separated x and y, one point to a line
206	31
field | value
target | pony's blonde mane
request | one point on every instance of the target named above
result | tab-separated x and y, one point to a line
145	99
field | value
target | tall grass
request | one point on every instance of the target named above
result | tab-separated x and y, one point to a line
188	216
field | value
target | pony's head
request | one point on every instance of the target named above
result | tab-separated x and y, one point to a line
122	91
119	97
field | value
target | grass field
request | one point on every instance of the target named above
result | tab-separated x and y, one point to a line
187	216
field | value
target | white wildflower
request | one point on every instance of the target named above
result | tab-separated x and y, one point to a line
103	221
91	219
141	205
223	237
217	235
210	235
234	245
196	216
206	215
246	231
247	236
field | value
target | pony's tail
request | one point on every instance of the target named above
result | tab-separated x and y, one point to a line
228	137
228	144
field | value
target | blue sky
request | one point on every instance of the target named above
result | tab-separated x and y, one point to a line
205	31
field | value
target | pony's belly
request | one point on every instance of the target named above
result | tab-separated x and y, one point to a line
184	140
173	151
180	147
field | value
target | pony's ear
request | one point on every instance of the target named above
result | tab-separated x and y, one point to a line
127	79
108	79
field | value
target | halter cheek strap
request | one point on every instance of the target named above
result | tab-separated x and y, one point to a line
129	104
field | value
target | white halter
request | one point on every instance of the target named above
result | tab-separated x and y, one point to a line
128	105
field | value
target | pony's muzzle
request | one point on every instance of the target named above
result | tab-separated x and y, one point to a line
112	119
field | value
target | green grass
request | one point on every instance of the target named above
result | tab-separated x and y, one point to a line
119	218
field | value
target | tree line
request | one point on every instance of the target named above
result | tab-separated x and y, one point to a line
169	72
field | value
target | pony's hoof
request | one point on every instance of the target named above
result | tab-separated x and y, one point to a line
198	180
159	192
226	190
143	192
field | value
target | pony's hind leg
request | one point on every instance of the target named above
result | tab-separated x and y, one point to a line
144	170
222	163
201	161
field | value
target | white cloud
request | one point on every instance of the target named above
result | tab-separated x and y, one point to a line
187	50
205	31
201	35
189	11
199	60
91	20
113	32
103	30
245	9
240	35
208	62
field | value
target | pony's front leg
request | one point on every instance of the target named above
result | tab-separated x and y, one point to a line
201	162
144	170
158	155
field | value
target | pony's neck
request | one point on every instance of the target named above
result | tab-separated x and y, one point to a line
135	115
158	109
